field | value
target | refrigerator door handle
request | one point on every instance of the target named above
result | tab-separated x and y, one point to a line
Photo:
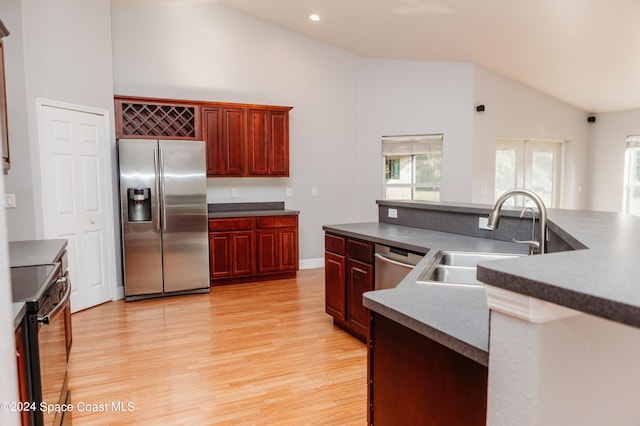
156	167
162	200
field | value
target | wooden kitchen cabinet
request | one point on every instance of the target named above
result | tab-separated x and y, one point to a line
349	273
23	395
268	142
334	288
231	247
245	141
359	281
415	380
224	134
242	140
277	243
4	122
253	248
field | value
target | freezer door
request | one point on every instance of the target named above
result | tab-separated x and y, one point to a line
185	241
141	240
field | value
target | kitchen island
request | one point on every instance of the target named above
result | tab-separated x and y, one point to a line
554	317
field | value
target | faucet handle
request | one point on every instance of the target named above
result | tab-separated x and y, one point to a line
534	246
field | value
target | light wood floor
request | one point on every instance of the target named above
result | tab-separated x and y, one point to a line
247	354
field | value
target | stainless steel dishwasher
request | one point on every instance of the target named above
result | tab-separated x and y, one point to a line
392	265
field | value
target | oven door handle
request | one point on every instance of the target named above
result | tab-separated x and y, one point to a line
45	319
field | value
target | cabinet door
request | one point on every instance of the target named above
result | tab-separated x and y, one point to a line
4	133
334	285
359	280
212	119
278	143
267	250
23	395
268	142
258	142
288	249
242	252
231	253
233	153
220	254
224	133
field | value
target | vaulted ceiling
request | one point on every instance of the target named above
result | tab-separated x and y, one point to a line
583	52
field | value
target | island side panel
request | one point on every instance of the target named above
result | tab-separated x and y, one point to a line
414	380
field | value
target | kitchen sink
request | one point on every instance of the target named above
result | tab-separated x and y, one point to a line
455	275
459	267
470	258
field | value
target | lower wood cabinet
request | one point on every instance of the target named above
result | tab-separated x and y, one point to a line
349	273
253	248
22	372
414	380
277	243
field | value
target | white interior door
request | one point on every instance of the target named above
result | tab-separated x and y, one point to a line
76	189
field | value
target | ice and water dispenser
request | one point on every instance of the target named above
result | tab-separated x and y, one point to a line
139	204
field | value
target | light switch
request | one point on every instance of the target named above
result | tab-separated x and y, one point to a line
9	201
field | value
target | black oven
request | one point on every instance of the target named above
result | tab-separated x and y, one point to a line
46	290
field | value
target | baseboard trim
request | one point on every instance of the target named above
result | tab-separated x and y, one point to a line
311	263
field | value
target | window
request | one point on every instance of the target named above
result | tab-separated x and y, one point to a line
535	165
632	176
412	167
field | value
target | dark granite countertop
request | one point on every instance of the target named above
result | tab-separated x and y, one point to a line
599	277
32	252
35	252
225	210
456	317
601	280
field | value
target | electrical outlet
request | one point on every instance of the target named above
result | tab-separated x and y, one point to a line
482	223
393	213
9	201
289	192
234	192
314	191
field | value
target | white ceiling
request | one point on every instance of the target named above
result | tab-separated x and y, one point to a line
584	52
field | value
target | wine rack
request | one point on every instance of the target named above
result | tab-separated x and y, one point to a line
157	120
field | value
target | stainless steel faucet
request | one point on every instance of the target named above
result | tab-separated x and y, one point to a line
535	247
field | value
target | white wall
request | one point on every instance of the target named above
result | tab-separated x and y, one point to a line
607	148
19	181
415	97
203	51
57	50
514	110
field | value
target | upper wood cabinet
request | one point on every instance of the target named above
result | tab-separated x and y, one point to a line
268	142
224	133
4	127
242	139
260	142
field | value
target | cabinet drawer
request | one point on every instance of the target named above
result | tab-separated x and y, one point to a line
360	251
277	221
335	244
233	224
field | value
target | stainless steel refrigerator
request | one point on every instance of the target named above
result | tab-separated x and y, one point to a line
163	201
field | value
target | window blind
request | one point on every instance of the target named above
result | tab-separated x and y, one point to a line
633	141
411	144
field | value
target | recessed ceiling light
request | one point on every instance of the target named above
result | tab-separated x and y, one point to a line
314	17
